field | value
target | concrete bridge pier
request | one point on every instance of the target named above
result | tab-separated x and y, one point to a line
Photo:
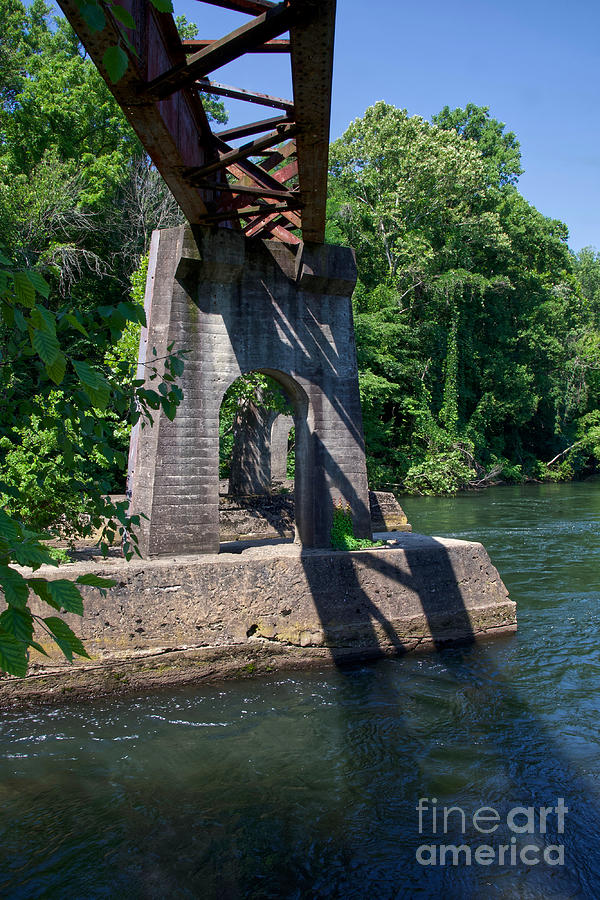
239	305
280	433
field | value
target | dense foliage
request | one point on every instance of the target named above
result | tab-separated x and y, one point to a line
477	328
78	202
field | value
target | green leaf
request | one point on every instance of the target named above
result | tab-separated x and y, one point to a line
39	283
130	47
148	398
93	16
42	319
66	594
169	409
162	5
20	321
37	647
24	289
13	654
123	16
45	345
18	622
56	370
9	529
68	642
133	312
177	366
40	586
14	586
95	384
32	554
96	581
76	324
115	62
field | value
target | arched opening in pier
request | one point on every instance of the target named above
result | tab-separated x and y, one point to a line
263	419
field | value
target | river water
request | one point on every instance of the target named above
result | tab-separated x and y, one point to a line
308	785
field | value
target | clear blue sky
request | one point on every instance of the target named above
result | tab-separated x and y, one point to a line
535	64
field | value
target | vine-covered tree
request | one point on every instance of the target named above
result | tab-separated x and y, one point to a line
475	339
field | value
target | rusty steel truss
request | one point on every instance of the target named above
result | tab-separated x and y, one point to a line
273	185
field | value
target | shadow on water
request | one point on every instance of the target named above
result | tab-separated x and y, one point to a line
375	853
535	778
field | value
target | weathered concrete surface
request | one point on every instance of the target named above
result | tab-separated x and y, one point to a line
279	604
280	432
386	512
256	518
271	516
251	458
239	306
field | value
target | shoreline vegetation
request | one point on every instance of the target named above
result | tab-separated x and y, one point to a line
491	478
477	328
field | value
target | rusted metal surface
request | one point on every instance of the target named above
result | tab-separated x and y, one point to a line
273	186
252	148
231	134
312	69
223	51
226	90
275	46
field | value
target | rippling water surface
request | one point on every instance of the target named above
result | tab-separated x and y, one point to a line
307	785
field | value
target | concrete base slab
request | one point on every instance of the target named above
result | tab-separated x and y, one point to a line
274	605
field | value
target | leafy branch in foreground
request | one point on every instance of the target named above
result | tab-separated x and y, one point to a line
115	59
48	386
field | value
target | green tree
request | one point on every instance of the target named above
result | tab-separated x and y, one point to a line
587	268
500	149
78	200
474	340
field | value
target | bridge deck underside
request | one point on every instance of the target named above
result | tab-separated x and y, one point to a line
274	184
